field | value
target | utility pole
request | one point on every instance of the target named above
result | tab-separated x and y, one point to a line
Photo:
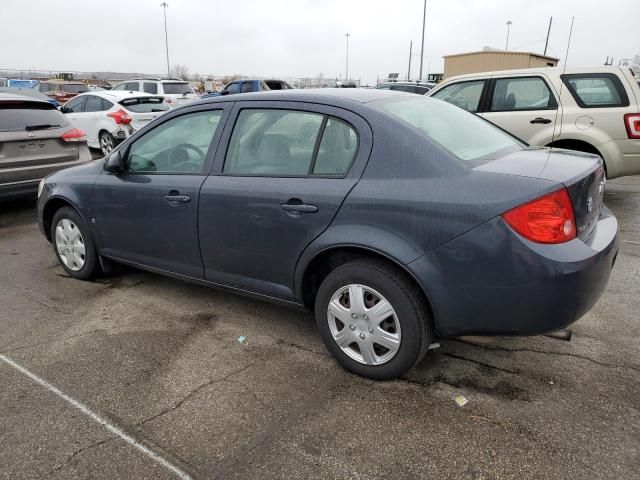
164	5
546	44
346	77
410	53
424	21
509	23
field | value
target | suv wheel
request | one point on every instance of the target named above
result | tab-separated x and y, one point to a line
73	245
372	319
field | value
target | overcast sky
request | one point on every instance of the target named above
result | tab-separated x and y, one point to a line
302	37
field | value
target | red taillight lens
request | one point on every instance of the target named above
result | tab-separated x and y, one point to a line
75	135
547	219
632	122
121	117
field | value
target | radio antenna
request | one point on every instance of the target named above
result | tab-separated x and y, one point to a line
564	70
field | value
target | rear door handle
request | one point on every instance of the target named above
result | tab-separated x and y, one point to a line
540	120
299	207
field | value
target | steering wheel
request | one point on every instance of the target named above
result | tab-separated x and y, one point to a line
180	163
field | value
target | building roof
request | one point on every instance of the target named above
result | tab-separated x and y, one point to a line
501	52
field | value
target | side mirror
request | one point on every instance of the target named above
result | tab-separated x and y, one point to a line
64	109
114	163
224	92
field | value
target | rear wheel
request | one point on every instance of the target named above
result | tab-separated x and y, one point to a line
72	244
107	142
372	319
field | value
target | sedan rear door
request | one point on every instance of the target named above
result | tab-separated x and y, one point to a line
281	173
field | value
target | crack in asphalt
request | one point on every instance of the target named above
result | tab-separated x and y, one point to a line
45	342
71	457
488	365
546	352
193	392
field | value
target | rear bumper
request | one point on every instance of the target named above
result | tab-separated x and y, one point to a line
19	189
491	281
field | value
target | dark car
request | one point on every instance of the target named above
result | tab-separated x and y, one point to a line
410	87
244	86
35	140
397	218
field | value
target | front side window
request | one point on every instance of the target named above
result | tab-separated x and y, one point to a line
175	88
132	86
94	104
75	105
246	87
120	86
232	88
273	143
596	90
150	87
525	93
464	94
466	136
179	145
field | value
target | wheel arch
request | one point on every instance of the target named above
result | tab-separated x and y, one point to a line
51	207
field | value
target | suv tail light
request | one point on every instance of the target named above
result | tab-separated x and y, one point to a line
121	117
632	122
75	135
548	219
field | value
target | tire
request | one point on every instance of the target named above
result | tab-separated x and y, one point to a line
107	142
404	329
73	245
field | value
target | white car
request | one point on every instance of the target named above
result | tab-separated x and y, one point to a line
110	117
175	91
595	109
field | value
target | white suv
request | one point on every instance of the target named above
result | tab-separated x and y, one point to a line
594	110
174	90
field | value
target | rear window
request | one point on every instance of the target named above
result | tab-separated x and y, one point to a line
18	116
75	88
596	90
177	88
145	104
465	135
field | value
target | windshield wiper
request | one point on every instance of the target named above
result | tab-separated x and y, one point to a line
44	126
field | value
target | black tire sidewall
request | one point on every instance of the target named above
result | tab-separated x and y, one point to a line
410	311
89	268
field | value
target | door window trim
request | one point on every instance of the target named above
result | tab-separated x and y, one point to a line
552	104
483	94
615	80
316	148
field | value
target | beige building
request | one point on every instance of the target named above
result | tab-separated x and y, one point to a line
492	60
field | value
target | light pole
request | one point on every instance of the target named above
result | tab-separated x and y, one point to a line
509	22
424	20
346	77
164	6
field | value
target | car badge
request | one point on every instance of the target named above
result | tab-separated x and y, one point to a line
31	134
590	205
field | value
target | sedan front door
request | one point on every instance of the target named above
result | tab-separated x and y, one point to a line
148	214
281	176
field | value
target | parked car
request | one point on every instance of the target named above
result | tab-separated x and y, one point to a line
61	91
175	91
110	117
592	110
278	85
367	206
35	140
244	86
30	92
21	83
420	88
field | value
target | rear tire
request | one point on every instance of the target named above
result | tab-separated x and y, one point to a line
384	335
107	142
73	245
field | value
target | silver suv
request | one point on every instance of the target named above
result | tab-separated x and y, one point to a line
595	109
175	90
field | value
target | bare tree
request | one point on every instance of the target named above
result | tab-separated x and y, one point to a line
180	71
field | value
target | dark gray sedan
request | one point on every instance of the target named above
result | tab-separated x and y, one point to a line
396	218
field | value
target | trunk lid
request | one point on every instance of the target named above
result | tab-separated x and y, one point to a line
144	109
581	173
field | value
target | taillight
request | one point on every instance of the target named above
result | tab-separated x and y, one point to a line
121	117
632	122
75	135
547	219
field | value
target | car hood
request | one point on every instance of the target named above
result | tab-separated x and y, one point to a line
92	168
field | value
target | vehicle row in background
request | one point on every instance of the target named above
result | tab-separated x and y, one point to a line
175	90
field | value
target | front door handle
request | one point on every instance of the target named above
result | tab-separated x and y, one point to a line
295	205
540	120
175	197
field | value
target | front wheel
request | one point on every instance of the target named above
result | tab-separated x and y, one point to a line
372	319
72	244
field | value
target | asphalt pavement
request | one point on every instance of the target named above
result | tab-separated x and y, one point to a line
139	376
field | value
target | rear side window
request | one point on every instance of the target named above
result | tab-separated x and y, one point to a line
145	104
94	104
596	90
177	88
16	116
337	148
521	93
464	94
150	87
73	88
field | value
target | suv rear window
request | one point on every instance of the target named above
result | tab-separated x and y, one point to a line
596	90
465	135
177	88
74	88
145	104
16	116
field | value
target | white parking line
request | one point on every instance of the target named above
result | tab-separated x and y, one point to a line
97	418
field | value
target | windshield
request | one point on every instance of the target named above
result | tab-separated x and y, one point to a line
177	88
464	134
145	104
73	88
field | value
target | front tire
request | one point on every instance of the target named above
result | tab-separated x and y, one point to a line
372	319
73	245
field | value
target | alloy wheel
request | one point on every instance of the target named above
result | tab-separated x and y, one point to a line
364	324
70	244
106	143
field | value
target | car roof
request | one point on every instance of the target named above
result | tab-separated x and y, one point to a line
116	95
331	96
547	70
15	97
